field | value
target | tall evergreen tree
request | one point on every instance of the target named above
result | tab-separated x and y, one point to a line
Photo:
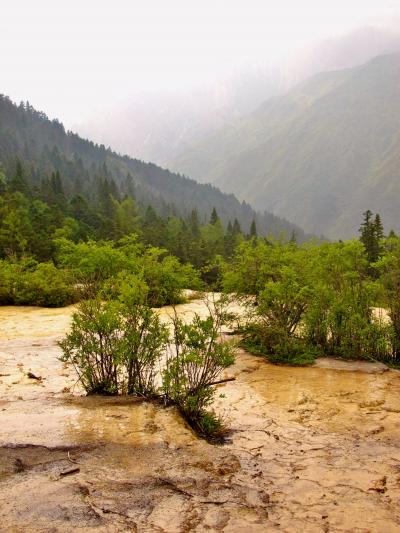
378	226
371	234
237	230
129	185
153	228
56	183
3	182
18	182
230	240
253	229
194	223
106	204
214	217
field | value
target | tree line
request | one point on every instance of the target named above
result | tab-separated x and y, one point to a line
39	223
45	147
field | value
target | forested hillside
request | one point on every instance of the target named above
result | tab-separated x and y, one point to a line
43	147
319	155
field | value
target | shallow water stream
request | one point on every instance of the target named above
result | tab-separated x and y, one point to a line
312	449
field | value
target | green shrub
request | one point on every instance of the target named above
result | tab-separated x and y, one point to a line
144	339
165	277
27	282
278	346
208	425
94	346
8	277
91	263
101	266
45	286
115	345
194	366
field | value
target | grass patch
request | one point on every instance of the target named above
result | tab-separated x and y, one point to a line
207	425
278	348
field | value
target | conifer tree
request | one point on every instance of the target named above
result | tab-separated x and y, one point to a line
3	182
378	226
214	217
253	229
371	234
230	240
129	186
194	223
18	182
237	230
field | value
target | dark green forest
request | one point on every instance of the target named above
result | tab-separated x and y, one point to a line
92	171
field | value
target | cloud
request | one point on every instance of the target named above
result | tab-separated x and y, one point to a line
69	57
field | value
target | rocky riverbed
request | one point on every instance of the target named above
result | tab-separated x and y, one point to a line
311	449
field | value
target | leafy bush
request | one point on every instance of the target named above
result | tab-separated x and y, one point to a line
144	339
101	266
8	277
115	345
389	269
45	286
194	366
93	346
282	303
30	283
316	299
91	263
165	277
278	346
209	426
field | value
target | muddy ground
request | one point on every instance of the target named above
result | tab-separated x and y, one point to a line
311	449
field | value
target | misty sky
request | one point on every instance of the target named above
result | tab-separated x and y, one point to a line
71	57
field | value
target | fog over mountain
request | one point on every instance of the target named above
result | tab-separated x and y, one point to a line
162	125
321	154
159	126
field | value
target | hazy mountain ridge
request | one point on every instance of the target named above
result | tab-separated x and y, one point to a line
320	155
163	125
160	126
44	146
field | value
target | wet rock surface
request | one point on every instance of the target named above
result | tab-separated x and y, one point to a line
311	449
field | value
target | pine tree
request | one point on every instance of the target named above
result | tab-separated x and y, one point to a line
18	182
153	228
214	217
237	230
3	182
194	223
130	186
57	184
55	191
106	203
371	234
253	230
230	240
378	226
367	234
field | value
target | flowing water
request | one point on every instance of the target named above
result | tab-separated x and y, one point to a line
312	449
